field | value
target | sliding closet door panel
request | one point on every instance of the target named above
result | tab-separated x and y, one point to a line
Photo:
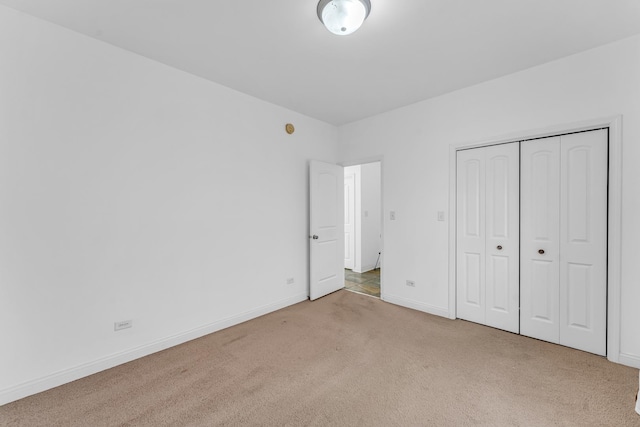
470	229
583	241
540	248
502	236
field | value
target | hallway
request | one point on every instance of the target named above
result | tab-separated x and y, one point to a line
367	283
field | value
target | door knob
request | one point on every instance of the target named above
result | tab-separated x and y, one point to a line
499	247
314	237
541	251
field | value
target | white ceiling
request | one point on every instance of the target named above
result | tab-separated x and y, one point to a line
406	51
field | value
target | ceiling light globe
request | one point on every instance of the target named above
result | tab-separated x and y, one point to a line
343	17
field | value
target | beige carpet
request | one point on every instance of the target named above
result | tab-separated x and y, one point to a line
347	359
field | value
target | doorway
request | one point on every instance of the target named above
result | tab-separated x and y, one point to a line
363	228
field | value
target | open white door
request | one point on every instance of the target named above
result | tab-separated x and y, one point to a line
326	226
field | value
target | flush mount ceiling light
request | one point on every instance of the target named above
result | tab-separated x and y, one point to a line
343	17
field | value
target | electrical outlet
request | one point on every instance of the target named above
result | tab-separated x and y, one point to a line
411	283
290	281
392	215
124	324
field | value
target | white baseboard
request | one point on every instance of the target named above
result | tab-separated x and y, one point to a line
369	267
404	302
364	269
65	376
629	360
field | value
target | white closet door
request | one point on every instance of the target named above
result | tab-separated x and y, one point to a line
564	240
487	236
583	241
470	251
540	247
502	236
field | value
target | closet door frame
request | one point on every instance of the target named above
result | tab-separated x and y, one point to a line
614	210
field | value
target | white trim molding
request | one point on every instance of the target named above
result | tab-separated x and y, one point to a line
409	303
629	360
614	268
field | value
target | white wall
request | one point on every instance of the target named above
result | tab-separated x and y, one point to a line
131	190
370	215
415	142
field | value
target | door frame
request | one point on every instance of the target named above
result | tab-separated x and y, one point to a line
352	209
614	219
374	159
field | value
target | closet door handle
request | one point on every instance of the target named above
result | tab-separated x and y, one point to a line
541	251
499	247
